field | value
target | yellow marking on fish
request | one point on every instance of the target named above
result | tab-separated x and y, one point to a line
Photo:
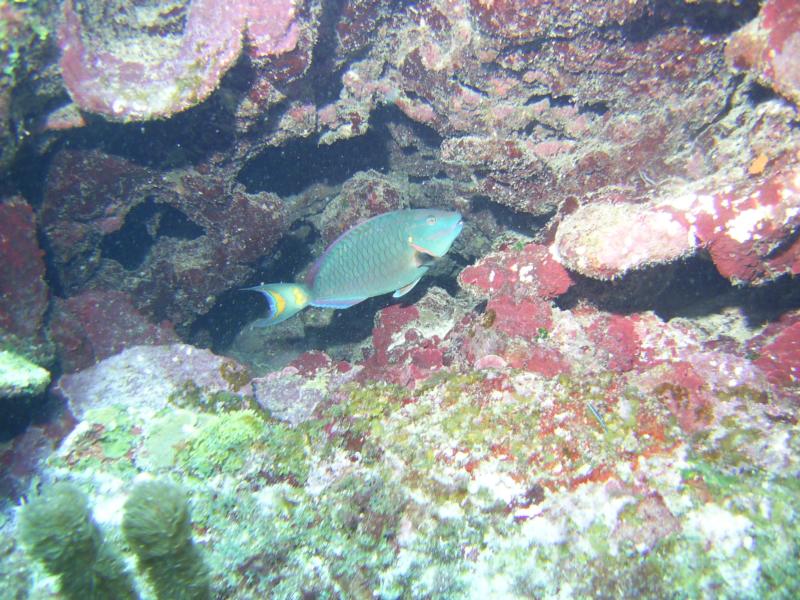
280	303
300	297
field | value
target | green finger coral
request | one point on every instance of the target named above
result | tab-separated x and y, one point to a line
157	525
57	529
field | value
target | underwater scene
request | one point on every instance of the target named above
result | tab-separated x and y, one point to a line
389	300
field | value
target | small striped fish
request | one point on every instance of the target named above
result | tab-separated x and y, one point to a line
387	253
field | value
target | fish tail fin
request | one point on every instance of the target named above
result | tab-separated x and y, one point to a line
285	300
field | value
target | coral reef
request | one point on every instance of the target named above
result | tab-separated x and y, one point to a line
642	463
768	47
594	394
105	231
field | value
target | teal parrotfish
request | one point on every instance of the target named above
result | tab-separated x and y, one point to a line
387	253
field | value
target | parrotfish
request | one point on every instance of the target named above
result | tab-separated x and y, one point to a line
387	253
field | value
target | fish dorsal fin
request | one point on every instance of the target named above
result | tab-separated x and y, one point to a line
405	289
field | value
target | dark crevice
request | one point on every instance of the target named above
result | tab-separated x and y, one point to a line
292	168
234	309
508	218
598	108
51	276
188	137
563	100
711	18
734	84
471	87
757	93
691	288
144	223
391	114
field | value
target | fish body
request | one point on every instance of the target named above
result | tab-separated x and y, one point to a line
387	253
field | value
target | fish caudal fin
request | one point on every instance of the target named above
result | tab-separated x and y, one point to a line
285	300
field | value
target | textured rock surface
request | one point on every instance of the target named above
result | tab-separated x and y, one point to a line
97	324
171	241
653	446
150	375
24	295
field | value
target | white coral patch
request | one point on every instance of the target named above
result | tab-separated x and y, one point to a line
727	532
741	227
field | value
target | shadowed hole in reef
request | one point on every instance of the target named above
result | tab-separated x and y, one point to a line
145	223
294	167
508	218
689	289
236	309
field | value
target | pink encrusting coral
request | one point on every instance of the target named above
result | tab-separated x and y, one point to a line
746	228
150	75
769	47
606	240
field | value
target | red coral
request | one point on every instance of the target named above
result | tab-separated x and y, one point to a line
616	341
684	392
545	361
746	233
524	319
308	363
391	321
531	271
780	359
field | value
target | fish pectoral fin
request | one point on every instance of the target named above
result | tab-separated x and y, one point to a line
423	260
405	289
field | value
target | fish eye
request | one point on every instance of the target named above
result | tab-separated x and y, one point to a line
431	220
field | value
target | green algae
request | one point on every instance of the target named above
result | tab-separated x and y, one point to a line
225	443
221	444
190	395
414	501
169	431
331	545
105	441
21	377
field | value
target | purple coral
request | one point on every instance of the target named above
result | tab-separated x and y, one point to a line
158	70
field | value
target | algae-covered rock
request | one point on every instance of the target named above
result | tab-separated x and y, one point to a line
20	377
57	529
